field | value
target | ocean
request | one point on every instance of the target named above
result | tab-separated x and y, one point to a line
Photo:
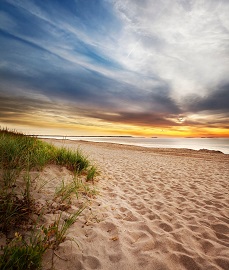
219	144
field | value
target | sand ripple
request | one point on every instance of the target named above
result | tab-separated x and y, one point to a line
158	209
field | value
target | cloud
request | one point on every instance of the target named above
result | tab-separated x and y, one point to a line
216	100
141	63
181	41
93	99
137	119
36	69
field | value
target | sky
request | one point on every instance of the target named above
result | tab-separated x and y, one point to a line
115	67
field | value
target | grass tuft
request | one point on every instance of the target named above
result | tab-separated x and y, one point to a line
19	155
56	232
74	161
20	255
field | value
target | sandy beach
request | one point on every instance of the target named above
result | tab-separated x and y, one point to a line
157	209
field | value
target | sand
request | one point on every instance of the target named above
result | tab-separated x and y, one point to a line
162	209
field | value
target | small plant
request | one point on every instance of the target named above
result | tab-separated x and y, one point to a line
65	191
23	253
75	187
13	209
88	191
27	185
19	155
20	255
91	173
74	161
56	232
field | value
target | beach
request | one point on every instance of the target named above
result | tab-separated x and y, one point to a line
162	209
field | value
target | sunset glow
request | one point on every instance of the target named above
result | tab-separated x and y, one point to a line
115	67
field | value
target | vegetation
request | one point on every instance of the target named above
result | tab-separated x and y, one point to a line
20	254
21	155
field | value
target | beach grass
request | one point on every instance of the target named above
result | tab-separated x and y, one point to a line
19	155
22	254
21	152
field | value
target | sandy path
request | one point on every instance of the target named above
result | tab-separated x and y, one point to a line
157	209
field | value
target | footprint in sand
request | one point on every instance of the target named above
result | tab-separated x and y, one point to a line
166	227
108	227
128	216
188	262
138	236
208	247
223	263
221	231
91	262
221	228
115	257
123	209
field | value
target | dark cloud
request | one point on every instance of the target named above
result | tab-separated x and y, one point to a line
163	102
24	110
139	119
210	122
59	79
62	58
218	100
15	108
18	106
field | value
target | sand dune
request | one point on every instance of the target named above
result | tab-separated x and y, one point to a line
162	209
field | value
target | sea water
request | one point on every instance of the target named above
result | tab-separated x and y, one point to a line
218	144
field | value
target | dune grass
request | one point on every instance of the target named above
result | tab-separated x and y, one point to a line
20	152
22	254
19	155
65	191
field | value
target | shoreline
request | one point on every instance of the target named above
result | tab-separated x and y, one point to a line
157	150
157	208
158	143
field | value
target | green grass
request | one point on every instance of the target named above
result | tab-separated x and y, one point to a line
65	191
26	253
20	152
74	161
20	254
92	172
13	210
19	155
56	232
